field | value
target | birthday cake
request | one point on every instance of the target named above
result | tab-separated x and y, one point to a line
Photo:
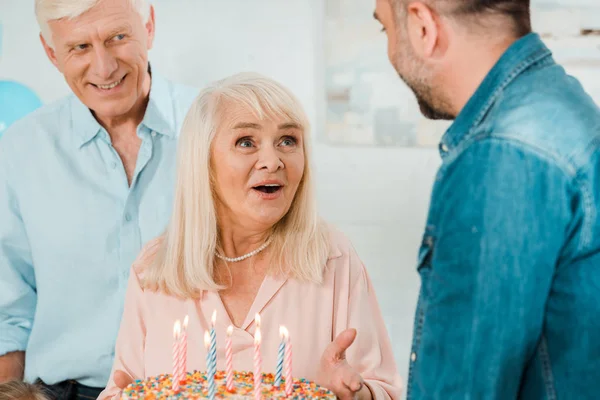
195	386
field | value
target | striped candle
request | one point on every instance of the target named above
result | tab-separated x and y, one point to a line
213	344
183	371
229	359
280	353
176	346
288	363
257	366
210	373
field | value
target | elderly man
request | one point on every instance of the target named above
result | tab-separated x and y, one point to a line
510	261
84	182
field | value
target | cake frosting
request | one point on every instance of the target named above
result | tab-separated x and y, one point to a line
195	386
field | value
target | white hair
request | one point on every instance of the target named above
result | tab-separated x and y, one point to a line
49	10
184	263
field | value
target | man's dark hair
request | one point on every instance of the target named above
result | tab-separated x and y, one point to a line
482	12
517	11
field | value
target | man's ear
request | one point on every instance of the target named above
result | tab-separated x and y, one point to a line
49	52
423	29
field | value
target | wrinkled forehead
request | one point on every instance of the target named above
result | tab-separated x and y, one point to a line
102	20
235	112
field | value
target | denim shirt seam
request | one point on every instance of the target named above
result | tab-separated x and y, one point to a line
566	166
572	172
547	375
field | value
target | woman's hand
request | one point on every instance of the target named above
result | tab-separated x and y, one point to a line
122	379
337	375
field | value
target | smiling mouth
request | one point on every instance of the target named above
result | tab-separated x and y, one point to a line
110	85
269	189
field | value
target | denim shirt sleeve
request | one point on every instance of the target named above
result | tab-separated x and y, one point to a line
499	216
17	283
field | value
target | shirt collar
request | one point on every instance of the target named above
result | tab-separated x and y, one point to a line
520	56
159	116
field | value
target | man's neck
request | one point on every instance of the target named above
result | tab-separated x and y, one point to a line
463	80
127	123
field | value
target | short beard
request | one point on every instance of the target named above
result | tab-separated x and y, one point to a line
418	79
431	108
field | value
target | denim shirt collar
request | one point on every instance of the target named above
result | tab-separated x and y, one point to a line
523	53
158	117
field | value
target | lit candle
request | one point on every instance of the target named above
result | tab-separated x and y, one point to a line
183	371
288	362
257	320
257	365
176	346
210	374
280	353
229	359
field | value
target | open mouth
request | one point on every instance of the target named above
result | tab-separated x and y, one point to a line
268	189
111	85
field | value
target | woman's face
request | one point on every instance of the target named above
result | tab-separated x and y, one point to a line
257	167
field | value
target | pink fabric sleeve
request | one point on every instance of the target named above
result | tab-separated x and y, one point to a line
371	353
129	349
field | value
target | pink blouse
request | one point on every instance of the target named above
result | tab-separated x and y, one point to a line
313	314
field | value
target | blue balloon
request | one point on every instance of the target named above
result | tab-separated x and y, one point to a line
16	101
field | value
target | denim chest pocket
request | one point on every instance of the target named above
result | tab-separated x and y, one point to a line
424	265
425	252
424	269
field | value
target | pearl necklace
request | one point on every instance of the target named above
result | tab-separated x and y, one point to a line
240	258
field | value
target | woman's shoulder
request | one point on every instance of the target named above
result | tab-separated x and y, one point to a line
340	245
147	255
344	262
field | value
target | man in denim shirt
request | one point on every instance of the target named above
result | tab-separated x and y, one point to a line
510	260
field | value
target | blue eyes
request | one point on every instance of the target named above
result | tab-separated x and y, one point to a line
85	46
247	143
288	142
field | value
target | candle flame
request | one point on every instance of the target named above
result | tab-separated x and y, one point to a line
257	320
177	329
206	340
257	336
284	332
185	322
214	318
230	330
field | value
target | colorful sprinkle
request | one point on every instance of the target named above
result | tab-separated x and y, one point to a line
194	386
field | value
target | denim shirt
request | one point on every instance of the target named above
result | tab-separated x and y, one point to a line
509	305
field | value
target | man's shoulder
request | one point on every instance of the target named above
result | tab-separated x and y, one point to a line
181	94
40	125
551	114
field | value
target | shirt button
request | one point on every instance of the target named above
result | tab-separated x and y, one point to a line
153	134
413	357
444	147
128	217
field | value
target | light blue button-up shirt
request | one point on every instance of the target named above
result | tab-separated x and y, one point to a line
71	226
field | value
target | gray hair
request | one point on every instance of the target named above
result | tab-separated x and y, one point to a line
49	10
19	390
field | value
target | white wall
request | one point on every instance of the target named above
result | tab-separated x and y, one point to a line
378	196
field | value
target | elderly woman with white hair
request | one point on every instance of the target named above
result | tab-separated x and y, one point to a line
245	239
